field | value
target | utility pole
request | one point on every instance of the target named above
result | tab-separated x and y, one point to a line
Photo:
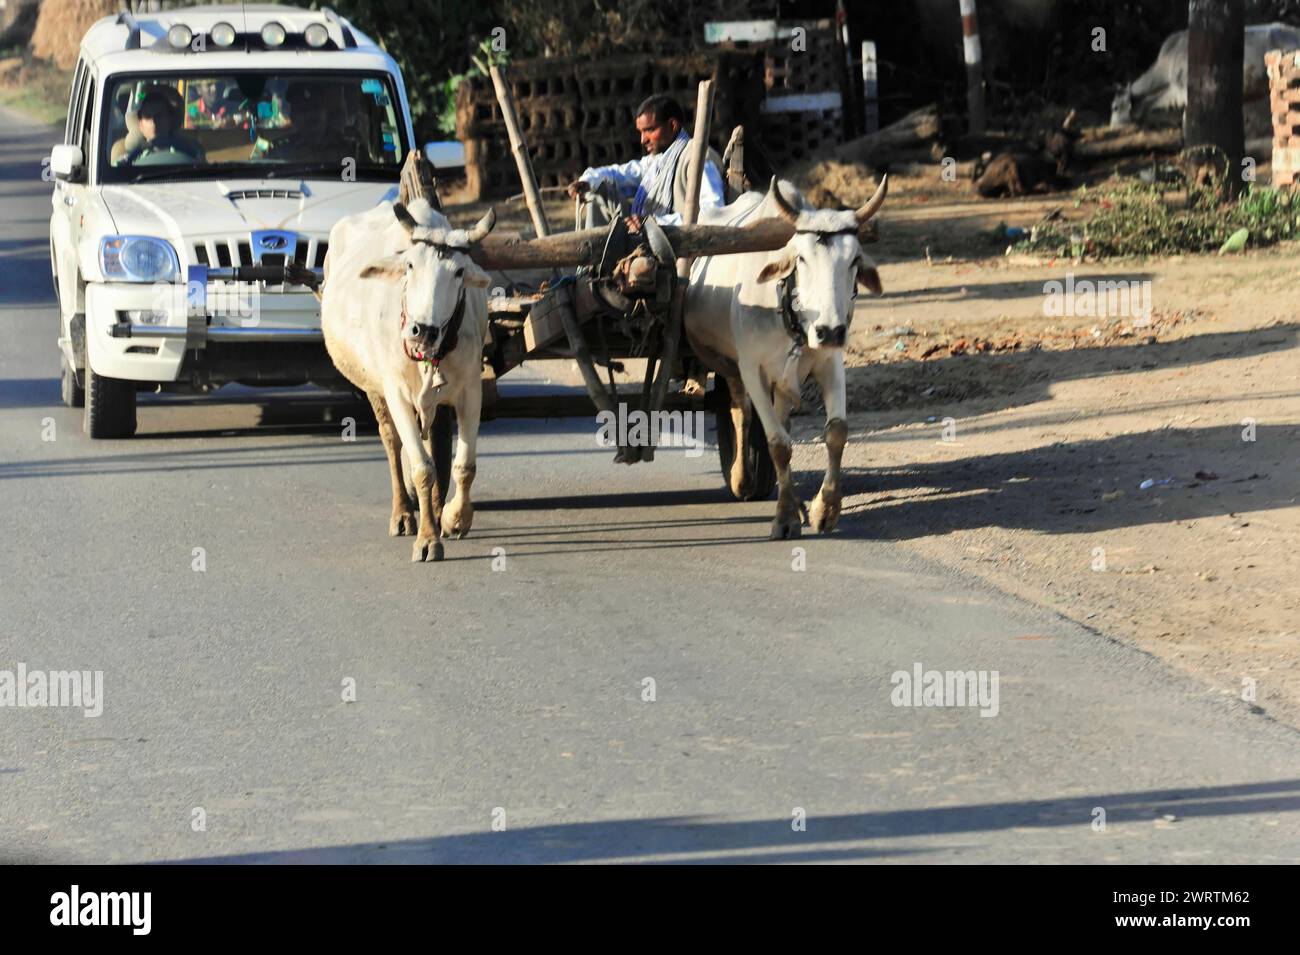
970	38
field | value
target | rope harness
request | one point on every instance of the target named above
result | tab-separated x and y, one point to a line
787	291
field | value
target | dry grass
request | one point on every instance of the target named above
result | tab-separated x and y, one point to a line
61	25
35	87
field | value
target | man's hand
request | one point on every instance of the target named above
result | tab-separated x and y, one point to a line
578	188
633	223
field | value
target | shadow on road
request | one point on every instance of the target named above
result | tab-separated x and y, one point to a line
1058	488
772	840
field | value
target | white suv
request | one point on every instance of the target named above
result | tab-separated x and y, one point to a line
207	153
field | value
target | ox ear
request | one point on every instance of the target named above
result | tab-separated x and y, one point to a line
868	277
390	267
777	269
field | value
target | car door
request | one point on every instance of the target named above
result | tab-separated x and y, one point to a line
66	199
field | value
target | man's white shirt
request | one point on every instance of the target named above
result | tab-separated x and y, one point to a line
627	176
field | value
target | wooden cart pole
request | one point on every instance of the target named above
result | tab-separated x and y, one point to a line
676	315
517	146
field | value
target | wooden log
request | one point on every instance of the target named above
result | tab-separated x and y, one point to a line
918	128
572	249
1128	144
520	150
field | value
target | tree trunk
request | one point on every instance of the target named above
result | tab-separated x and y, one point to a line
1213	134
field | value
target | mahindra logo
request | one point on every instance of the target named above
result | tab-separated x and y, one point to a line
274	243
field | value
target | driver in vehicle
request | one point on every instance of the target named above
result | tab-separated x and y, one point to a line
317	128
158	120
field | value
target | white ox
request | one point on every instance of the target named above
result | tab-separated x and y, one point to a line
766	321
1164	85
404	314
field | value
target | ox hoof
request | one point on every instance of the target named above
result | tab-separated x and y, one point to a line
456	521
786	528
402	525
426	549
825	513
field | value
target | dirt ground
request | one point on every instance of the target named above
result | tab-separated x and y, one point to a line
1055	427
1056	422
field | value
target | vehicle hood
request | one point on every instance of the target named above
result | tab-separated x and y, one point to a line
180	211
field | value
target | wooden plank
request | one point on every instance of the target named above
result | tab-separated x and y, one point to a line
743	31
870	87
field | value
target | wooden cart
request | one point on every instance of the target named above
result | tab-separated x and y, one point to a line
611	297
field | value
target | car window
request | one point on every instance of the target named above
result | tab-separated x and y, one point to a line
74	103
192	125
85	137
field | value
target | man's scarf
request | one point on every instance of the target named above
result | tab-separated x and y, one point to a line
656	196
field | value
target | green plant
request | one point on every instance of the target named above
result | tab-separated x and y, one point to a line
1140	219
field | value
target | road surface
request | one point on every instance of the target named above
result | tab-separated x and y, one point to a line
502	714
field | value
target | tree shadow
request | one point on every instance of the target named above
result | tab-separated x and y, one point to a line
1009	379
1059	488
1019	288
706	840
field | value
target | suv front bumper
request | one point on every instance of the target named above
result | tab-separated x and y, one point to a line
219	306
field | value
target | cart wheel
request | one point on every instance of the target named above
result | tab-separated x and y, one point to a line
758	464
441	438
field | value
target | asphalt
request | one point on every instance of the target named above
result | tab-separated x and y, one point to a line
500	711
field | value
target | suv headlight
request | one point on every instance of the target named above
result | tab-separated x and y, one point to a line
137	258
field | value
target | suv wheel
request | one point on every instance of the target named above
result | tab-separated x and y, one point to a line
110	406
74	396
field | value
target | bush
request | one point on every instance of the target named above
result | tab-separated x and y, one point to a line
1139	219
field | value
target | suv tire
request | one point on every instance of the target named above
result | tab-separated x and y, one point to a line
110	406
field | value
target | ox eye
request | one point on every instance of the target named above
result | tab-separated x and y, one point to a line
460	273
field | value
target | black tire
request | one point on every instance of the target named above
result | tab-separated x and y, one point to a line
441	439
109	406
73	395
758	467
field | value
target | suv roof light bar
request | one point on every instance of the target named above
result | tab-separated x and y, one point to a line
349	41
132	24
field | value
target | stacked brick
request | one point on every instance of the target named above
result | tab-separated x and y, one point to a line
575	112
1284	93
807	63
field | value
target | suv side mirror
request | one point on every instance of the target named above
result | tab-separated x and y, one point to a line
445	155
66	162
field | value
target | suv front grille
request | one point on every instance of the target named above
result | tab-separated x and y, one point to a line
223	253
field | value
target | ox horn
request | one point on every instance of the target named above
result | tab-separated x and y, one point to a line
405	218
875	202
788	212
482	227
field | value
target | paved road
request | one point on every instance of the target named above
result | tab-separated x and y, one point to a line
520	690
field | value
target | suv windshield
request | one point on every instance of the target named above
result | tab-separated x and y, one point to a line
200	125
